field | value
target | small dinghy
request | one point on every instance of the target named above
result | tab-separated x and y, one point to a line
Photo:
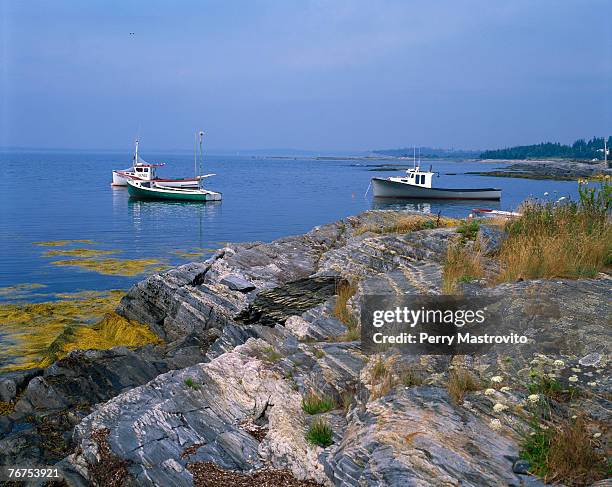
158	191
418	184
489	213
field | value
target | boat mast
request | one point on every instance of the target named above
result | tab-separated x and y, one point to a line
201	152
195	156
136	153
414	156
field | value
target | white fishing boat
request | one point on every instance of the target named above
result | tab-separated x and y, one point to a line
143	171
418	184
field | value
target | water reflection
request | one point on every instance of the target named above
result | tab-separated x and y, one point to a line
456	208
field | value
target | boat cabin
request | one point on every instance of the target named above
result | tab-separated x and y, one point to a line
144	171
416	177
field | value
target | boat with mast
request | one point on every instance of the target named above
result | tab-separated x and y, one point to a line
418	184
141	170
160	191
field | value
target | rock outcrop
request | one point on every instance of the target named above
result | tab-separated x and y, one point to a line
262	321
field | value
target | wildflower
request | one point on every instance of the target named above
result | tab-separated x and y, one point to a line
573	378
545	193
574	416
576	369
497	379
498	408
596	435
558	363
489	392
543	426
592	384
533	398
495	424
505	389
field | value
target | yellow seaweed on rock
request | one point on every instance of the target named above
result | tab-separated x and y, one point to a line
113	330
38	333
80	252
63	243
114	266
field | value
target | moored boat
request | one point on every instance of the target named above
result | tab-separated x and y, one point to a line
418	184
158	191
143	171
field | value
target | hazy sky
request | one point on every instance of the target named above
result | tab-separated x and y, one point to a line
320	75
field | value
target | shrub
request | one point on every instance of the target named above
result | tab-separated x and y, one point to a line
397	222
468	229
270	355
314	404
411	378
461	381
320	433
345	290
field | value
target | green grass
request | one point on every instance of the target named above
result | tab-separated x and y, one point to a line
271	355
320	433
319	353
189	382
314	404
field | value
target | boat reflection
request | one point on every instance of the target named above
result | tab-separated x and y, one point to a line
455	208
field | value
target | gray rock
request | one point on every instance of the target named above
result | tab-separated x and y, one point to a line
490	238
521	466
237	283
590	360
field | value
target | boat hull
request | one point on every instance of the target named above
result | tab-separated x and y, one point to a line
120	179
161	194
384	188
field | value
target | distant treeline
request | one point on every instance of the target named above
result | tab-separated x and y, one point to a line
429	152
581	149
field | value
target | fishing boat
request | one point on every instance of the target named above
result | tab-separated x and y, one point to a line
419	184
143	171
161	191
158	191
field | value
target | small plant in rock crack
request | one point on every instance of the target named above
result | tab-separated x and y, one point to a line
314	404
189	382
320	433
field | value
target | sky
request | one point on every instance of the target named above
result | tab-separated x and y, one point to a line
337	75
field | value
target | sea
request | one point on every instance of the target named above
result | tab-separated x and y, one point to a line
50	197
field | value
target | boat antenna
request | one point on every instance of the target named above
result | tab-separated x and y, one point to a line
414	156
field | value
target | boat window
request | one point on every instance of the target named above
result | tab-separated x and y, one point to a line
139	169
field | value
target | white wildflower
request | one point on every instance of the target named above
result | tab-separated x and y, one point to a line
545	193
505	389
592	384
489	392
495	424
497	379
533	398
558	363
498	408
596	435
576	369
573	378
574	416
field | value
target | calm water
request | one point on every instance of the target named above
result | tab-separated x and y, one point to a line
56	196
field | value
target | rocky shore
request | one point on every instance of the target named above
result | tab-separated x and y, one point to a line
561	170
254	330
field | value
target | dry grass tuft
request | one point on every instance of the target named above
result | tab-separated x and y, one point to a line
565	453
345	290
405	223
463	264
461	381
560	239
